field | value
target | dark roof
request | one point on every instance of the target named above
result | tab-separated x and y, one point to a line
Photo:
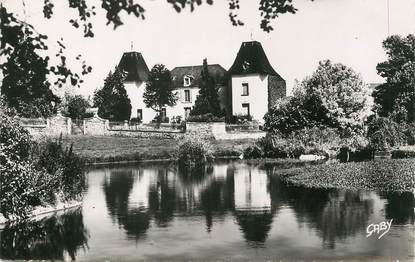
215	70
133	63
251	59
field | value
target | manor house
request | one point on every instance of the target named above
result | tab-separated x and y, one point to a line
250	87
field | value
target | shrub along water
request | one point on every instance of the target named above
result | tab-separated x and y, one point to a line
28	179
194	151
325	142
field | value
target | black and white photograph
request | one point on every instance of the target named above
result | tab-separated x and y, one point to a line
207	130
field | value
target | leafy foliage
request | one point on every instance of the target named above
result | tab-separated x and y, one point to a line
269	10
208	99
194	151
75	106
19	38
334	96
209	117
397	96
26	182
25	86
159	89
326	142
52	157
112	99
384	133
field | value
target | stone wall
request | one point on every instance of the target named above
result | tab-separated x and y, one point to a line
276	89
53	126
240	135
147	134
217	130
95	126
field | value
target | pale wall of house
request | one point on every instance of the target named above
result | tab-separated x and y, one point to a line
181	104
135	91
257	98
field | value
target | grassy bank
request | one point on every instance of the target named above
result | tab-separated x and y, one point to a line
383	175
102	149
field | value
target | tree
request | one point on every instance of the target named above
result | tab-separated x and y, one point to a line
208	98
334	96
396	97
75	106
159	89
25	86
112	99
15	31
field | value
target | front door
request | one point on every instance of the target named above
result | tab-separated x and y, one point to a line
187	112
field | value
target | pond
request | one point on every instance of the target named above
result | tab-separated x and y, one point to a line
233	210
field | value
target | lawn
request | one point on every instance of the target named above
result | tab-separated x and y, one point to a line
99	149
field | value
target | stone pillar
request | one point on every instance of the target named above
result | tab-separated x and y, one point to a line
69	125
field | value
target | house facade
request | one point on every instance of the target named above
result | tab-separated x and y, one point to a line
250	87
255	85
186	81
136	70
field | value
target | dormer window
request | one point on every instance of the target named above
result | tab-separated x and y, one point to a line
187	80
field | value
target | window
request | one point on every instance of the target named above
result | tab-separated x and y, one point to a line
245	89
245	109
187	95
163	113
140	114
187	112
187	80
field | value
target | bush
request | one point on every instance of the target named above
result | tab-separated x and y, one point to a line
324	142
75	107
135	121
253	152
55	159
410	134
15	140
32	175
402	153
285	117
22	186
383	133
204	118
239	119
194	151
277	147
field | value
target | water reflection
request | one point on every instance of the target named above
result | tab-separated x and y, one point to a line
251	194
400	207
231	210
52	238
117	188
335	214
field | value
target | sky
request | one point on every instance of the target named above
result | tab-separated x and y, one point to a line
346	31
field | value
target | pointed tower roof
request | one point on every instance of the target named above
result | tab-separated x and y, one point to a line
251	59
134	65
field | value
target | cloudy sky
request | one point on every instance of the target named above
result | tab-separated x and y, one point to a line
346	31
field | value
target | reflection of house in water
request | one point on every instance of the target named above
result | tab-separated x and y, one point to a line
253	210
251	190
139	194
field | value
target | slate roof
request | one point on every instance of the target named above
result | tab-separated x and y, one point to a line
215	70
134	65
251	59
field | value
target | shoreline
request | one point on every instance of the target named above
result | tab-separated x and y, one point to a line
41	212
